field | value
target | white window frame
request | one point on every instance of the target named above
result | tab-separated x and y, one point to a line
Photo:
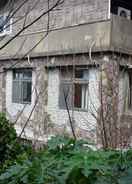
7	31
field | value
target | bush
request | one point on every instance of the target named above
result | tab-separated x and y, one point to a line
7	139
66	161
10	148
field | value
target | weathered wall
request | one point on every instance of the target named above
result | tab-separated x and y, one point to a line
14	110
79	39
37	125
70	13
125	111
48	118
85	122
115	114
121	35
108	113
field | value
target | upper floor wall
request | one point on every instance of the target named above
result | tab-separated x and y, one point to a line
69	13
77	27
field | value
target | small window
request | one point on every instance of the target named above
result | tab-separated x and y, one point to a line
74	92
5	25
22	86
122	8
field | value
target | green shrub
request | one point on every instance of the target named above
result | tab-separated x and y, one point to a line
66	161
10	148
7	139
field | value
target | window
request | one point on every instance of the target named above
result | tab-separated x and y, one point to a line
22	86
123	12
5	25
130	90
74	91
122	8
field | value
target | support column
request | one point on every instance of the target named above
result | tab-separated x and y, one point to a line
108	112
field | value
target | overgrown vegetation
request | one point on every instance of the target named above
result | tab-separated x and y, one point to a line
62	161
66	161
10	147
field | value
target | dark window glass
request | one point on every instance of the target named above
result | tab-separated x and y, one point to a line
78	73
130	90
22	86
75	91
1	23
65	95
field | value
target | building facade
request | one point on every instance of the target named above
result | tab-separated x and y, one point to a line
69	69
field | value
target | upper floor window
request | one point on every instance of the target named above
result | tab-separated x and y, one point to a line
74	92
122	8
22	86
123	12
5	25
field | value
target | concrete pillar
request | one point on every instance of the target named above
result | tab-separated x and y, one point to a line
108	112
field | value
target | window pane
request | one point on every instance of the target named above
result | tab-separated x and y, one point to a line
22	86
7	24
130	91
65	91
80	96
77	96
16	92
76	90
84	104
1	24
78	73
17	75
26	91
27	74
22	74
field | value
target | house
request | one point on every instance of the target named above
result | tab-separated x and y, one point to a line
78	71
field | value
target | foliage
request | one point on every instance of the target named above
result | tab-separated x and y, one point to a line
10	147
7	137
66	161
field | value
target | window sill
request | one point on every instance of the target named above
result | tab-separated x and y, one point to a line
80	110
75	109
128	112
22	103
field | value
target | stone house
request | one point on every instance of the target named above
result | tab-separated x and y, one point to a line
81	67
